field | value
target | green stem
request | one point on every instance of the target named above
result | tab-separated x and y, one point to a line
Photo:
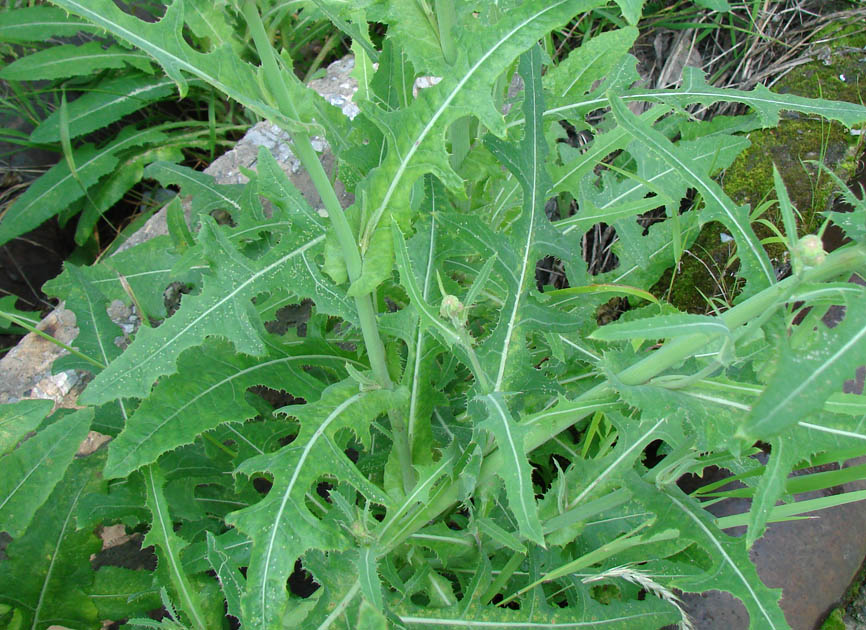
54	340
837	263
445	19
304	151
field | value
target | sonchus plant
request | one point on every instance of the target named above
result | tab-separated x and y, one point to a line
442	443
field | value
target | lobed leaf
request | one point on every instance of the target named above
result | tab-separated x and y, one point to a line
228	572
368	577
516	471
809	376
20	418
429	317
208	195
756	267
530	238
119	593
222	68
163	536
421	369
783	457
596	57
616	616
415	134
147	269
281	525
214	376
731	570
29	473
225	302
96	331
695	90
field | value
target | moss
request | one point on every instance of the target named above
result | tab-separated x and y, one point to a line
790	146
834	621
836	74
704	273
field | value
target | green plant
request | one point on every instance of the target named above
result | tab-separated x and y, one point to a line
440	443
105	109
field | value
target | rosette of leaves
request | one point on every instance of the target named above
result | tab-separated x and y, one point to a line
441	442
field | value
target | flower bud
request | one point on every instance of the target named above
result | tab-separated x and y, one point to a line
809	252
452	309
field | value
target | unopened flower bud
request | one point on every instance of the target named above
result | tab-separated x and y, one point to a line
809	252
452	309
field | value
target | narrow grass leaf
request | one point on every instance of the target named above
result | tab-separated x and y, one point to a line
786	208
60	62
96	109
55	190
792	511
38	23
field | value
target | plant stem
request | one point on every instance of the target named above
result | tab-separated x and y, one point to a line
445	19
459	131
304	151
837	263
54	340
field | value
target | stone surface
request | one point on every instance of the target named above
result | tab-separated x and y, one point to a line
813	561
26	368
